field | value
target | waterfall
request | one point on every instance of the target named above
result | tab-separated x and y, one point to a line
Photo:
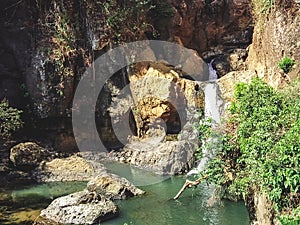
212	73
213	110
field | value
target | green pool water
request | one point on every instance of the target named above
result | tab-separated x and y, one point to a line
157	207
20	205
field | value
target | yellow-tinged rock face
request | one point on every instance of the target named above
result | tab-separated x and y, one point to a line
163	92
74	163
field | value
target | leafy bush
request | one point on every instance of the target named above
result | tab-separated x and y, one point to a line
286	64
261	144
10	120
292	219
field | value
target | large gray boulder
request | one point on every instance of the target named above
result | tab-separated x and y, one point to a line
164	157
80	208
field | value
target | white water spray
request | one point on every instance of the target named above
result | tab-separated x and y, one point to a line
213	110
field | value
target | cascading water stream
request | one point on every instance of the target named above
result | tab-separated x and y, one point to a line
213	110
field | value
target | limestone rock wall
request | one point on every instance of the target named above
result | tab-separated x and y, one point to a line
276	35
163	93
207	25
47	45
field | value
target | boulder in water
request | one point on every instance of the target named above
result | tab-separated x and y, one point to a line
113	186
94	204
82	207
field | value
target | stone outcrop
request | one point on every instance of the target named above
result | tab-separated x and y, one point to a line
232	61
73	168
261	209
80	208
28	155
161	153
206	25
161	157
113	186
163	93
227	83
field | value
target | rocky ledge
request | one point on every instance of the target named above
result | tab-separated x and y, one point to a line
73	168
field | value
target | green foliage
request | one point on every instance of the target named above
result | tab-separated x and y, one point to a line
286	64
58	36
261	148
10	120
268	137
204	127
292	219
126	21
268	3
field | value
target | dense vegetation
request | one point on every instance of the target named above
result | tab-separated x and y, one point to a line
10	120
260	147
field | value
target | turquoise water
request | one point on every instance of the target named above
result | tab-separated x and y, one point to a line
157	207
22	204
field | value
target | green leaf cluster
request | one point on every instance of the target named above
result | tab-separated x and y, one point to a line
261	144
10	120
292	219
286	64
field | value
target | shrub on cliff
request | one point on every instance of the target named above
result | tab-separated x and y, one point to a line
10	120
286	64
261	144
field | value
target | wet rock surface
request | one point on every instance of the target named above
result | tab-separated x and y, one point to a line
165	158
231	61
161	153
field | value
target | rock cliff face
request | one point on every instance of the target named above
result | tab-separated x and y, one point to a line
275	36
163	93
206	25
261	211
47	46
